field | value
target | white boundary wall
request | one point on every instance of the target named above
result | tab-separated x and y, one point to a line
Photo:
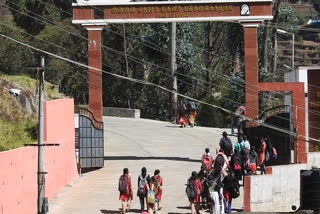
313	159
278	191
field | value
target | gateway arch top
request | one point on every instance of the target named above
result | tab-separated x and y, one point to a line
102	12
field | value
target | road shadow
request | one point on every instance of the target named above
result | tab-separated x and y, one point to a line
150	158
119	211
177	126
185	207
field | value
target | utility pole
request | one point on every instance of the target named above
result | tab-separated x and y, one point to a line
173	68
42	202
40	140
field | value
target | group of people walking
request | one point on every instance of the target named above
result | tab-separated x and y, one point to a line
187	113
213	187
149	191
217	182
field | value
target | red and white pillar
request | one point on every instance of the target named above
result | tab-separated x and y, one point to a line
251	69
95	76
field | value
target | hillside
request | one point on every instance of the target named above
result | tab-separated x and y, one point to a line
18	114
307	42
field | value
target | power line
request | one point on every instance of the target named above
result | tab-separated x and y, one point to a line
213	54
116	69
118	52
152	84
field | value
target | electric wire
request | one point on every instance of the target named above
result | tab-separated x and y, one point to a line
153	64
152	84
213	54
118	69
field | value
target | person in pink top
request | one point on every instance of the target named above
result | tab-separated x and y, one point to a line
158	179
125	190
195	202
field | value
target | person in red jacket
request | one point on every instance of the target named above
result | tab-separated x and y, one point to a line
158	180
195	202
125	190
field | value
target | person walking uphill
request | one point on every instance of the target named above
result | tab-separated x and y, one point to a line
142	181
125	190
207	160
150	189
226	144
191	107
193	191
262	156
158	183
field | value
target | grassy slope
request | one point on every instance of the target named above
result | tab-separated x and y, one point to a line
16	127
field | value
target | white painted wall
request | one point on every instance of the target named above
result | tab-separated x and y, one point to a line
276	192
313	159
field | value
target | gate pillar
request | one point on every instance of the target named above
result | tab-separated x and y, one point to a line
251	70
94	76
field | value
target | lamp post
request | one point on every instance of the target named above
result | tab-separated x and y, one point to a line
294	143
292	57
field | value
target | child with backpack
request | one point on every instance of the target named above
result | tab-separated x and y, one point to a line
226	144
236	164
193	191
207	160
125	190
253	161
158	183
150	189
222	161
230	189
142	181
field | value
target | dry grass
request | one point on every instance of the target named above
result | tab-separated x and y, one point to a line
28	83
16	127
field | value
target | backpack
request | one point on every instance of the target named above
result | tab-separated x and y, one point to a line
244	153
237	163
191	190
151	196
274	153
219	161
207	162
123	184
235	191
142	183
191	106
252	158
156	185
226	145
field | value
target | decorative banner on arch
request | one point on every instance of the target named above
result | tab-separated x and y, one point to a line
166	11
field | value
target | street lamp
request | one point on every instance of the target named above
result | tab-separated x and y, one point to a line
292	59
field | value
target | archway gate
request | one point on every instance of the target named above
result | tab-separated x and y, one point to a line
248	13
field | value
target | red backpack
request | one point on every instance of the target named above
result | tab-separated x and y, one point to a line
207	162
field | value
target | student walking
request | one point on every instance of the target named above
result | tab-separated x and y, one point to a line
193	191
226	144
125	190
207	160
182	120
262	156
191	108
150	189
159	183
253	161
142	181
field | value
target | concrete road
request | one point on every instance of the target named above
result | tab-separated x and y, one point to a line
134	143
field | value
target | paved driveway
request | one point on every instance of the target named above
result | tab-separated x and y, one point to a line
134	143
